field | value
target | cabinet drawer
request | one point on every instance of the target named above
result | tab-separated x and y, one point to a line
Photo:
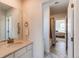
20	52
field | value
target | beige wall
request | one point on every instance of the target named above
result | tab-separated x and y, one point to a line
59	16
32	12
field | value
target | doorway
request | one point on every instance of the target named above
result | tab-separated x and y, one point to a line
56	36
59	28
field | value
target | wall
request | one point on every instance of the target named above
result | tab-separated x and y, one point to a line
76	28
32	12
59	16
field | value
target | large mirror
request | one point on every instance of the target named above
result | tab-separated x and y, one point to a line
10	23
3	9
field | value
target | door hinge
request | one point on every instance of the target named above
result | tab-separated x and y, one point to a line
72	5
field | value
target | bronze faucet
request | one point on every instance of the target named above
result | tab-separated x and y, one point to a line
10	40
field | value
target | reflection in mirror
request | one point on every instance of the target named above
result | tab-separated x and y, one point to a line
8	27
8	22
11	25
4	22
2	25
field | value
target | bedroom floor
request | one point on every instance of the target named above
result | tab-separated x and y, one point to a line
58	51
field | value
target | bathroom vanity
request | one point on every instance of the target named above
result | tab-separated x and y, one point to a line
18	49
10	28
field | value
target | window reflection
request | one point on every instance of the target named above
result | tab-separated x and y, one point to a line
60	25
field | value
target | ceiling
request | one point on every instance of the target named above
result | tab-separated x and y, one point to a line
58	6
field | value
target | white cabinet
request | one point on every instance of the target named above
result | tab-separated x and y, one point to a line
25	52
29	54
20	52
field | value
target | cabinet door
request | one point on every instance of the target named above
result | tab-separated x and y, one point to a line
29	54
20	53
25	52
29	47
29	51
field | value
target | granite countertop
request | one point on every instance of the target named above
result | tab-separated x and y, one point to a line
7	49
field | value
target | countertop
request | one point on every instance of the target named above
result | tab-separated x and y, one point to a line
7	49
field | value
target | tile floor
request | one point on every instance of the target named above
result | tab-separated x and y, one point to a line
59	51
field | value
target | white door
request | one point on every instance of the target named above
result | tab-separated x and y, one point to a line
70	30
46	27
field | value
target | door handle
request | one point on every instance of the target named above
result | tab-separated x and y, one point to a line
8	31
72	38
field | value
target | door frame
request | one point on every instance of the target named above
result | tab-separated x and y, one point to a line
49	3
